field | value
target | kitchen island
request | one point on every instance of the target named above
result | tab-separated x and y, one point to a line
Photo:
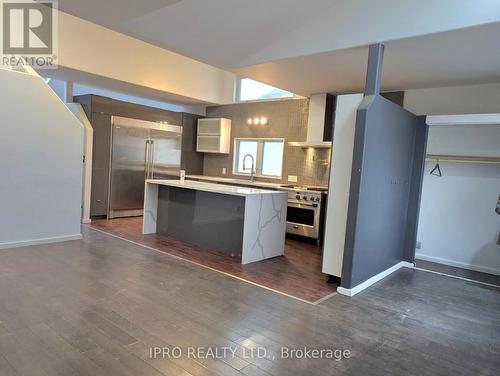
243	222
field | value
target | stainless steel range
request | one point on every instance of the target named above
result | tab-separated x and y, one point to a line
305	211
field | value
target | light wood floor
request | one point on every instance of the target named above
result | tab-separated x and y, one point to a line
96	306
297	273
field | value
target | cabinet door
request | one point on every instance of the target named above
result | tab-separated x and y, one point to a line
208	144
166	154
128	166
209	127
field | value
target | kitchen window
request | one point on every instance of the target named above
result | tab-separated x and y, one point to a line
267	155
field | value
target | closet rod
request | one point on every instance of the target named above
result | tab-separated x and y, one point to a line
461	158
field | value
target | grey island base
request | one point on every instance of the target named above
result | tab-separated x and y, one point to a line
243	222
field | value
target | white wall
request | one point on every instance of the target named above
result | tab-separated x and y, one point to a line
78	111
339	183
470	99
475	140
458	224
41	145
89	51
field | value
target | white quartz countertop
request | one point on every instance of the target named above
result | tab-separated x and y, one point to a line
214	187
260	184
235	181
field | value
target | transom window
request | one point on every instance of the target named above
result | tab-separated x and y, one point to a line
251	90
267	155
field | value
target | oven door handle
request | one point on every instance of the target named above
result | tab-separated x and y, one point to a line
303	206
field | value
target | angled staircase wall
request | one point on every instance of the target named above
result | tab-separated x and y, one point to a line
41	152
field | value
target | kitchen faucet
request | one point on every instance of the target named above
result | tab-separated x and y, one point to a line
253	166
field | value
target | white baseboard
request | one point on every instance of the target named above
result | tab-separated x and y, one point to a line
353	291
54	239
477	268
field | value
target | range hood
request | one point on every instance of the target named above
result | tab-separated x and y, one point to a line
319	124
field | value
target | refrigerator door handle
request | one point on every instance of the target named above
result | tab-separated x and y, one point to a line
152	159
146	161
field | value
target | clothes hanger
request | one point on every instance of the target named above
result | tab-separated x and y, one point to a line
436	171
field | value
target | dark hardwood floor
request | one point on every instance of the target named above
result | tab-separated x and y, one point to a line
459	272
297	273
95	307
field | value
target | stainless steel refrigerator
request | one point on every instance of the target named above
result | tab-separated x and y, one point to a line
140	150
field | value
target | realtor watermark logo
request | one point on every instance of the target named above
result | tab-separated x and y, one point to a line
259	352
29	33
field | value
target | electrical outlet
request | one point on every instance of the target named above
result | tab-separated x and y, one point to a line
292	178
419	245
223	171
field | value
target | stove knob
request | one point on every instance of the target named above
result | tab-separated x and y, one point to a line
317	199
305	198
297	197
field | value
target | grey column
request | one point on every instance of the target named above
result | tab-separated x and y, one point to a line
386	179
374	70
68	92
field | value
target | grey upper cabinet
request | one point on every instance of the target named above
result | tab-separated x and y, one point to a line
191	161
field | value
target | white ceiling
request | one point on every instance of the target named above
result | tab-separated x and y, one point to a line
310	46
461	57
218	32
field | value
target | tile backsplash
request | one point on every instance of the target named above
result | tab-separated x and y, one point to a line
286	119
